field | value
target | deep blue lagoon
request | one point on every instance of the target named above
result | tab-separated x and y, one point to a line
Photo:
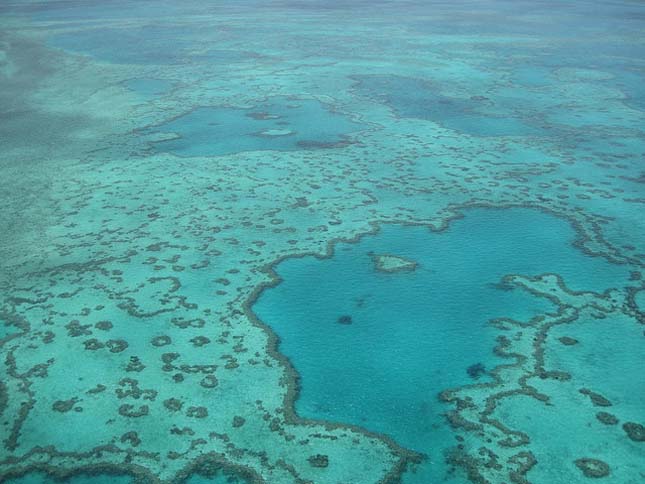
414	333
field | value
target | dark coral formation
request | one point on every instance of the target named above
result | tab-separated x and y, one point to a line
209	381
116	345
568	341
238	421
188	323
75	329
135	364
48	337
130	388
607	418
634	431
471	465
104	325
199	341
555	375
596	398
97	389
197	412
161	341
131	437
475	371
173	404
4	397
319	460
593	468
64	406
524	461
127	410
93	344
345	319
169	357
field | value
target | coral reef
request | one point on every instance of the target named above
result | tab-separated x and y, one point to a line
345	319
142	217
634	431
392	263
592	467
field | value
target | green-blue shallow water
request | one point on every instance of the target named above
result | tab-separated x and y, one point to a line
41	478
168	169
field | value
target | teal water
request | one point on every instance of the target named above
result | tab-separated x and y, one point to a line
155	44
42	478
280	124
414	334
149	88
476	115
157	157
217	477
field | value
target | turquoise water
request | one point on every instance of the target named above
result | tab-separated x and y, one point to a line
280	124
41	478
416	333
232	246
149	88
417	98
154	44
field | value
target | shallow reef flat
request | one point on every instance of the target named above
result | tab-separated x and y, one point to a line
192	199
392	263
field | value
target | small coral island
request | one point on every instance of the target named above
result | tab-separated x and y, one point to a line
391	263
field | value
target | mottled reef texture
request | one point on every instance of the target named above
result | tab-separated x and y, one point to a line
128	274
